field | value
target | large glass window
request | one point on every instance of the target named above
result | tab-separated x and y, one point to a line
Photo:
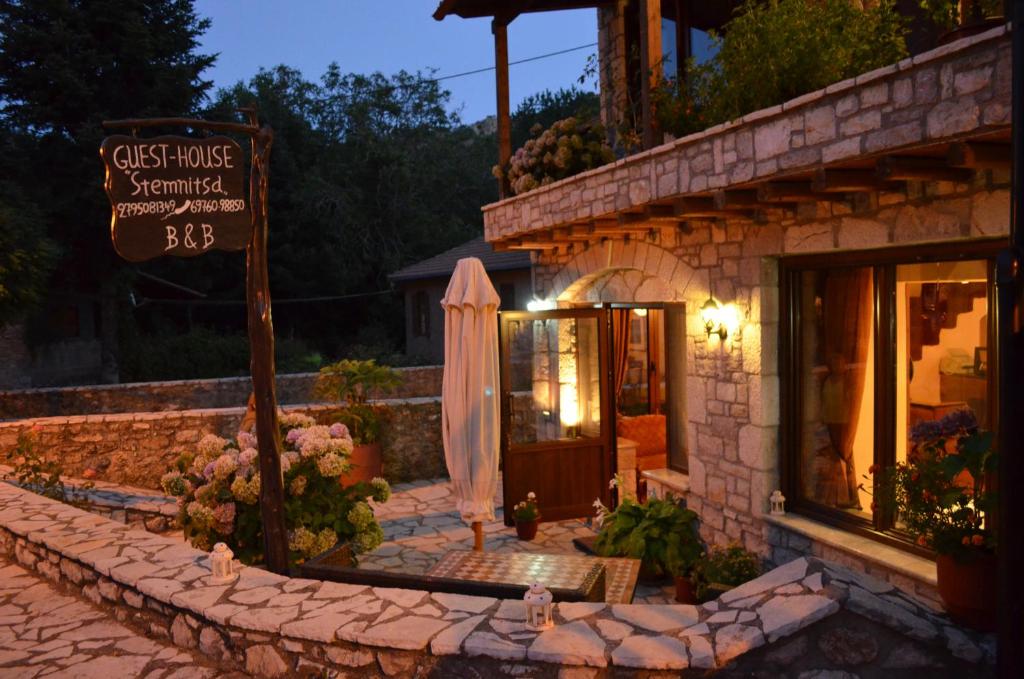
872	348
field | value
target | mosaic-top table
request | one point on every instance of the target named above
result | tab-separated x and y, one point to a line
573	577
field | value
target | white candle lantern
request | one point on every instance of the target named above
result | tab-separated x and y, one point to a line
778	503
538	608
220	565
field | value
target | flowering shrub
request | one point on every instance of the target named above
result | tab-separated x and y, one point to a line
527	509
942	493
218	489
566	148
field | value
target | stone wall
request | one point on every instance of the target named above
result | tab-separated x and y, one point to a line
228	392
275	626
137	448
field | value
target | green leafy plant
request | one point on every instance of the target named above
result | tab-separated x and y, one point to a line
39	475
952	13
943	493
724	568
527	509
771	52
661	532
33	472
218	487
353	382
568	147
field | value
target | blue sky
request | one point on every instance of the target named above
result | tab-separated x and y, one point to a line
368	35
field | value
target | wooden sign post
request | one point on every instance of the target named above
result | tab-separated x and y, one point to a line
181	196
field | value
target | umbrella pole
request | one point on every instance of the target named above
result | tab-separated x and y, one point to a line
478	536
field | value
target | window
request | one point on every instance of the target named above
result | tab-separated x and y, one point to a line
421	314
874	344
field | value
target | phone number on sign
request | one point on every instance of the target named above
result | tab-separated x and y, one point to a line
168	207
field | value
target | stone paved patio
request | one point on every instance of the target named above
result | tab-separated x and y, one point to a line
420	524
45	633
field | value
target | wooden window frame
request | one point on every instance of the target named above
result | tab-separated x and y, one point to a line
883	263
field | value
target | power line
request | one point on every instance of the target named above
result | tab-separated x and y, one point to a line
276	301
514	63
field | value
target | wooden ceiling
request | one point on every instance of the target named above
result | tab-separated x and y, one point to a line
761	200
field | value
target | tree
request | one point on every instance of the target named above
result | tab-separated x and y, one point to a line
65	66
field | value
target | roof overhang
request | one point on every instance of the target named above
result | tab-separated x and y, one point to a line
941	116
508	9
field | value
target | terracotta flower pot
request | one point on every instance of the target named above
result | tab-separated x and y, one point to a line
968	589
527	530
685	591
366	464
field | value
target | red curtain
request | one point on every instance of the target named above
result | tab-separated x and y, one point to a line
620	350
847	313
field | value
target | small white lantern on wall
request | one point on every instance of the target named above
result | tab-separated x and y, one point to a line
778	503
220	565
538	608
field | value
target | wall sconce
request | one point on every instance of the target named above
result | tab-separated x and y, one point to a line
778	503
538	608
541	304
713	318
640	312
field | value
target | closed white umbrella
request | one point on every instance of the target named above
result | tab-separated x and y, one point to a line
469	393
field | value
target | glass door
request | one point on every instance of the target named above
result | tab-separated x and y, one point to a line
555	413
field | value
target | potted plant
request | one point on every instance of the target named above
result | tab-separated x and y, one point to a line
943	495
353	382
963	18
661	532
722	569
218	488
527	517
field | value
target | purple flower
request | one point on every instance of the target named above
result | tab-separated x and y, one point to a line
926	430
960	421
208	471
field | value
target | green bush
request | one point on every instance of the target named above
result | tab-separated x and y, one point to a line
775	51
204	353
722	569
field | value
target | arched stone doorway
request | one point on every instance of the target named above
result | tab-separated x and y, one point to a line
632	272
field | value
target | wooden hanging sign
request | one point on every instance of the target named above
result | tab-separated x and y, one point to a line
175	195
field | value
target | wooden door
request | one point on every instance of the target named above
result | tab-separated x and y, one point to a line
556	414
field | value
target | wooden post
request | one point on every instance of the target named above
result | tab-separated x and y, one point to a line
261	342
478	536
499	27
650	64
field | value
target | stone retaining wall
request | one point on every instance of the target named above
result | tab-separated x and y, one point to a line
137	448
273	626
228	392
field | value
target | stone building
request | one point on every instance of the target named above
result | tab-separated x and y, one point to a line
834	257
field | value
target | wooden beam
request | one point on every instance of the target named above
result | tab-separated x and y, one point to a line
927	169
980	155
745	199
791	192
500	31
529	243
660	213
851	181
704	206
650	63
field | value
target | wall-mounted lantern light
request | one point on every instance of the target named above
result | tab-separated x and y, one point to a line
714	321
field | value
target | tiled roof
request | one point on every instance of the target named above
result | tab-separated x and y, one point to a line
443	265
